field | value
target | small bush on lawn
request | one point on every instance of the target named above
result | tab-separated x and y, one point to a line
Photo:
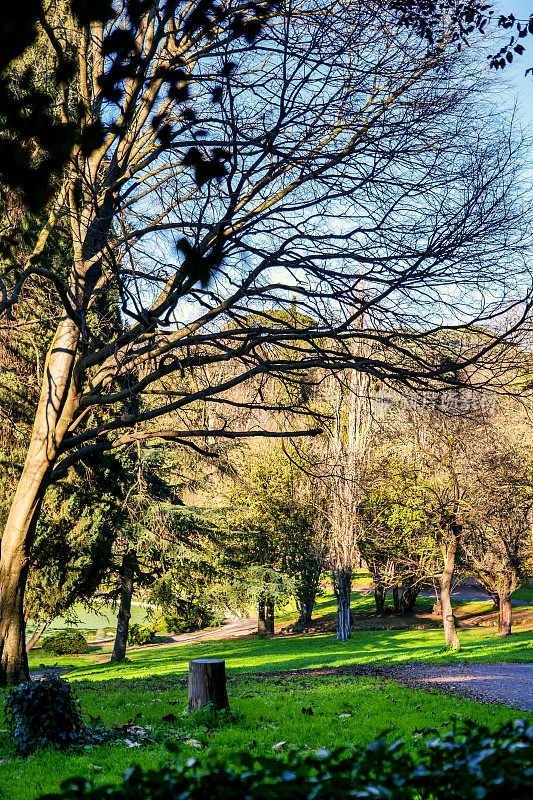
464	764
139	634
63	643
45	713
189	617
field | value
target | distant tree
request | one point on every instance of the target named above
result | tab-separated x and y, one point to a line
397	539
276	514
498	543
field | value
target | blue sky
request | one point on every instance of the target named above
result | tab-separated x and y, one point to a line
520	86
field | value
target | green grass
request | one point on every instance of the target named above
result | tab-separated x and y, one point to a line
362	603
346	709
254	654
524	595
266	711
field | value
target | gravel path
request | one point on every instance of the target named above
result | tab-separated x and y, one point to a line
510	684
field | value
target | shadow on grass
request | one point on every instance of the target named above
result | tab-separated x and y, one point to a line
364	648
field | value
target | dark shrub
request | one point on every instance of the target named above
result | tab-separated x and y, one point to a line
139	634
63	643
43	714
463	765
46	713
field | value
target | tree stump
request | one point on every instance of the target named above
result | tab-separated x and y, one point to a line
207	684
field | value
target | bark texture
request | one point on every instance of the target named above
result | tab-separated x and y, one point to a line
506	615
448	622
409	595
269	616
306	614
261	618
379	596
57	403
342	585
396	597
207	684
127	576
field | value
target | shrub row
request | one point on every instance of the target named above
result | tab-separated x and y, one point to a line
469	763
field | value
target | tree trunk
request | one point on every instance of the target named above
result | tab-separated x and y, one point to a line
396	597
409	595
342	586
269	616
127	574
57	404
448	622
306	613
207	684
37	635
261	619
506	614
379	596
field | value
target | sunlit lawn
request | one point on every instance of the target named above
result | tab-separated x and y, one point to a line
252	654
345	709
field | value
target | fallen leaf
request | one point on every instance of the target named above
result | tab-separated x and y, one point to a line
194	743
279	746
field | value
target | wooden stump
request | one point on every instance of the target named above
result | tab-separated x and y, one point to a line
207	684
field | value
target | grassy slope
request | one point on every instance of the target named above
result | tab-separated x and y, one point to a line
251	654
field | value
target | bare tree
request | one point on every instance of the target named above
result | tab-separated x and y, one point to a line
497	544
344	470
223	180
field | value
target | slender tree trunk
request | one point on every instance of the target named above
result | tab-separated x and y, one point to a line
261	618
342	586
506	614
57	404
379	596
269	616
396	597
448	623
37	635
127	575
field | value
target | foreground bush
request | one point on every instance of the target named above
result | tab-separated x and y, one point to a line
139	634
45	713
464	764
64	643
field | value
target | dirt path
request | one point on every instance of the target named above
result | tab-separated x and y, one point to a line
510	684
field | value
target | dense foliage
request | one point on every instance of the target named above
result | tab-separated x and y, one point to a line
69	642
140	634
45	714
466	763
